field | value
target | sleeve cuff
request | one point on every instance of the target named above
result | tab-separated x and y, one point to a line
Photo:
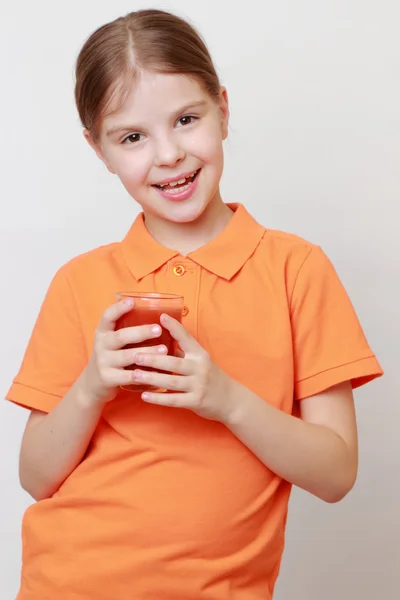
358	372
31	398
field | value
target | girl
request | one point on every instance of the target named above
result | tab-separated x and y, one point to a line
178	495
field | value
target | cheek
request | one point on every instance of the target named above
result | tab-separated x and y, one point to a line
131	167
215	154
207	145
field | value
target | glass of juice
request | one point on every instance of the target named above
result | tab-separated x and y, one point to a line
147	310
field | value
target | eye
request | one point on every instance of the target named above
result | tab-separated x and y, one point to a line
133	138
187	120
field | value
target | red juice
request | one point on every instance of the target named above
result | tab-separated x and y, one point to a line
147	310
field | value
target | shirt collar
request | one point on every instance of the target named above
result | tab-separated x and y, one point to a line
224	256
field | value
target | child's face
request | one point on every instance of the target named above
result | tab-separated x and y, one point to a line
168	126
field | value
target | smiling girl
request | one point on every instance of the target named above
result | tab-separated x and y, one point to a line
181	494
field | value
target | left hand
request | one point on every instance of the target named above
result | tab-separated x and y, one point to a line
197	383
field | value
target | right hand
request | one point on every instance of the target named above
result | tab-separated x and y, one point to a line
105	371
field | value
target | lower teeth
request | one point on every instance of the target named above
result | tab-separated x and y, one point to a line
175	190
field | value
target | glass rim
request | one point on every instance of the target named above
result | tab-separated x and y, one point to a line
150	295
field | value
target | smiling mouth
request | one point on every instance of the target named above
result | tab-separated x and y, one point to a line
176	185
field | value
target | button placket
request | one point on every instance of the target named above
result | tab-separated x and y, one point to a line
179	270
185	283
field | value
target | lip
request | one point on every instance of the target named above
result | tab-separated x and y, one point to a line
181	196
176	178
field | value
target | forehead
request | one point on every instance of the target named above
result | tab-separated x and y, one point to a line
152	95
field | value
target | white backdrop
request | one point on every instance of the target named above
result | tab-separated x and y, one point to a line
313	149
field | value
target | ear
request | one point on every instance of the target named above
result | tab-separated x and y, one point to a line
97	148
224	111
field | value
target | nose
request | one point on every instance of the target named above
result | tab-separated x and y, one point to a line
168	152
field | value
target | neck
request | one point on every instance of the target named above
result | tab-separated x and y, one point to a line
188	237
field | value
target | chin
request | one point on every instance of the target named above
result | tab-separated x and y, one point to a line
188	214
182	212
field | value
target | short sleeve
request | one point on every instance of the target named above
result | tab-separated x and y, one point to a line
56	354
329	344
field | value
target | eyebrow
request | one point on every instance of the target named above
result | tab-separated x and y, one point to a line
183	109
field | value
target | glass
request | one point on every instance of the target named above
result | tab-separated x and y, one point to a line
147	311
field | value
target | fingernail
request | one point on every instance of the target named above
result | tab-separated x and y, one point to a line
162	349
137	375
145	396
156	329
128	302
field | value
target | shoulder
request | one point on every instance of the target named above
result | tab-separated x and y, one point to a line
279	253
89	267
291	258
287	248
286	241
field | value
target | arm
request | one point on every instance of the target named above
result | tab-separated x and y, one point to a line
55	443
318	452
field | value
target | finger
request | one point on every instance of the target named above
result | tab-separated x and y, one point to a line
172	400
132	335
113	313
179	333
127	356
117	377
164	363
177	383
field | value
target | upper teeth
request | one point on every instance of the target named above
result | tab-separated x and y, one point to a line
179	182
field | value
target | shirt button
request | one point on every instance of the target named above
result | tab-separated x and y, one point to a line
179	270
185	311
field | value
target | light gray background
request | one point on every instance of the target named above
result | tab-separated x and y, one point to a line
313	149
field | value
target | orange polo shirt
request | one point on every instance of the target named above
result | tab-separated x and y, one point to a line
166	505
